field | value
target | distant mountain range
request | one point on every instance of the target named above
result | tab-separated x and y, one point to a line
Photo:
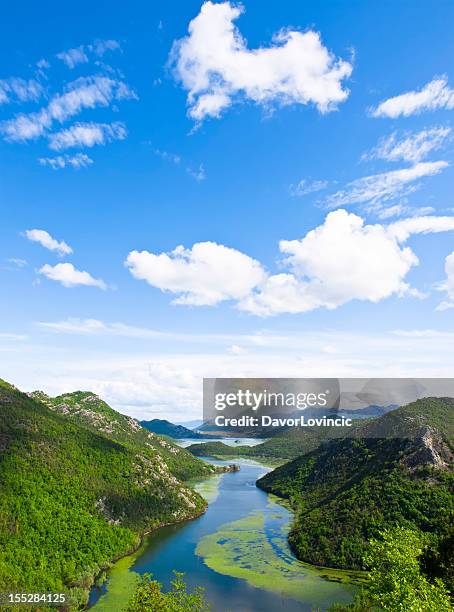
166	428
191	424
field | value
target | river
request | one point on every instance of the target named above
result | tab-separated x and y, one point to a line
237	551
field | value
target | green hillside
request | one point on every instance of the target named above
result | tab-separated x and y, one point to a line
285	444
73	499
347	490
88	410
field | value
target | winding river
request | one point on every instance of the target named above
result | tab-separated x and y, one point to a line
237	551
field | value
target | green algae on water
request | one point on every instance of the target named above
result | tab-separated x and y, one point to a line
121	584
255	549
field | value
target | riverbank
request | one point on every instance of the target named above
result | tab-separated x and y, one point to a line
237	551
101	576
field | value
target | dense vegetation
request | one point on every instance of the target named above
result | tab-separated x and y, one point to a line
149	597
88	410
286	444
79	485
396	578
347	491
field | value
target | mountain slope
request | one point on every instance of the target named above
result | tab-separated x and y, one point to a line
72	500
88	410
398	469
166	428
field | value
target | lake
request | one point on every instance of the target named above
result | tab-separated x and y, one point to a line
184	442
237	551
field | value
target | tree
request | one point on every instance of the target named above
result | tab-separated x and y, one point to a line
395	580
148	597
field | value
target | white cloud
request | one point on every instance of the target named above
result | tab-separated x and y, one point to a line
100	47
167	156
413	148
206	274
402	230
87	135
144	380
341	260
46	240
378	189
215	66
18	262
448	284
73	57
83	93
80	160
69	276
337	262
199	175
8	336
304	187
79	55
435	95
19	90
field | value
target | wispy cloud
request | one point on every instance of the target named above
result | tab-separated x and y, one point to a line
73	57
80	160
435	95
217	68
20	90
80	55
199	174
48	242
87	135
8	336
83	93
413	147
167	156
305	187
18	262
69	276
376	190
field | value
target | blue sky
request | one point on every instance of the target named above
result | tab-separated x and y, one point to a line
307	174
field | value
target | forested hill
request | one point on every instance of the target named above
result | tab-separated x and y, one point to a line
88	410
166	428
73	499
347	490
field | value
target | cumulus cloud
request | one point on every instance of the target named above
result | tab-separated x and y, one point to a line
217	68
412	148
46	240
448	284
206	274
342	260
69	276
377	189
87	135
435	95
304	187
83	93
80	160
16	89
